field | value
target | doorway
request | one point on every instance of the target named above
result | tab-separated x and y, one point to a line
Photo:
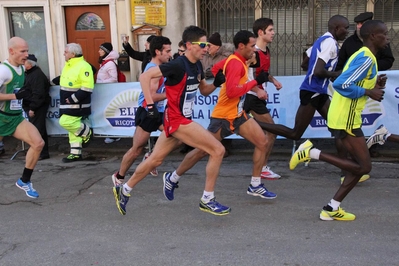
90	27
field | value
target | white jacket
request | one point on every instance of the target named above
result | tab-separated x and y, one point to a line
108	72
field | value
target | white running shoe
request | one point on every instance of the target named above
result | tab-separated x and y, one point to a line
267	173
379	136
154	172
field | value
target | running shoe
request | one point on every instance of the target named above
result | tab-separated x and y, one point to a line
154	172
301	154
28	188
121	199
362	179
72	158
110	140
267	173
339	215
260	191
169	186
379	136
214	207
116	181
86	140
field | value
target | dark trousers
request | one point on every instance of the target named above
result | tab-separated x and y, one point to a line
39	120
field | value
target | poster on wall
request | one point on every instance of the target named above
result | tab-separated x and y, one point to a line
148	11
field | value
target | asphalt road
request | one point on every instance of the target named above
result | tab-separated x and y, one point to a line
75	220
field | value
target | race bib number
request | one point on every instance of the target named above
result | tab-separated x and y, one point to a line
240	105
16	105
188	104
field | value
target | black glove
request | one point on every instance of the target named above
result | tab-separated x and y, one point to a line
22	93
219	79
152	111
262	77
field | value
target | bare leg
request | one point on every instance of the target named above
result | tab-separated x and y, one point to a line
28	133
303	117
270	137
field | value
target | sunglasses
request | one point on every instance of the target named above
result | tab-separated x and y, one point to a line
181	51
201	44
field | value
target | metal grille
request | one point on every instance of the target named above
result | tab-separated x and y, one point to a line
297	23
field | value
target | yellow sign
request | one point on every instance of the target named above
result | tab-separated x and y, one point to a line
149	11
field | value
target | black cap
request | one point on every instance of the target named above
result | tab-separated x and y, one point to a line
363	17
106	47
32	57
215	39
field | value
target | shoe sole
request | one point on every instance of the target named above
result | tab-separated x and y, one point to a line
326	217
154	172
270	178
25	191
164	185
258	195
117	201
361	180
215	213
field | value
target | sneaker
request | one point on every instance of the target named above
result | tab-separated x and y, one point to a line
379	136
260	191
267	173
121	199
214	207
110	140
301	154
362	179
169	186
29	190
116	181
154	172
72	158
339	215
86	140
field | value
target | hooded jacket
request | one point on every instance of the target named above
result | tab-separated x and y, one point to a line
108	72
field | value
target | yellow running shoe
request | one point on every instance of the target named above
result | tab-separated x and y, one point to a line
339	215
362	179
301	154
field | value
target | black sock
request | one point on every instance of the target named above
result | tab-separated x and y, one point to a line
119	176
26	175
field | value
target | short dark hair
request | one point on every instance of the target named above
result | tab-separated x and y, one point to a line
370	27
193	34
157	43
261	24
242	37
181	43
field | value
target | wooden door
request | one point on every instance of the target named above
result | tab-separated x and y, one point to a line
90	27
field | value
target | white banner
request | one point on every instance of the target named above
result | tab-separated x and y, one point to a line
114	106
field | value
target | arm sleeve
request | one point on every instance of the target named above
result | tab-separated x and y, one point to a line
87	80
110	68
328	49
133	53
234	72
345	84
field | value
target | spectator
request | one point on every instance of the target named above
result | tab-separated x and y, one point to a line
216	52
36	104
77	84
144	57
108	72
181	51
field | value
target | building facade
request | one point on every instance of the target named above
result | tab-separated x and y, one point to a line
48	25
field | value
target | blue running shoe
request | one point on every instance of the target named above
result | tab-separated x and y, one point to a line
28	188
261	191
121	199
169	186
214	207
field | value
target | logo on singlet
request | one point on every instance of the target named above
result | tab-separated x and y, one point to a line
121	110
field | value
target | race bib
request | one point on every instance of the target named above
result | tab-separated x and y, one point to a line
188	104
16	105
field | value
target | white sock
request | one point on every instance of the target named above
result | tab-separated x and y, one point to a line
334	204
126	189
207	196
314	153
255	181
174	177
